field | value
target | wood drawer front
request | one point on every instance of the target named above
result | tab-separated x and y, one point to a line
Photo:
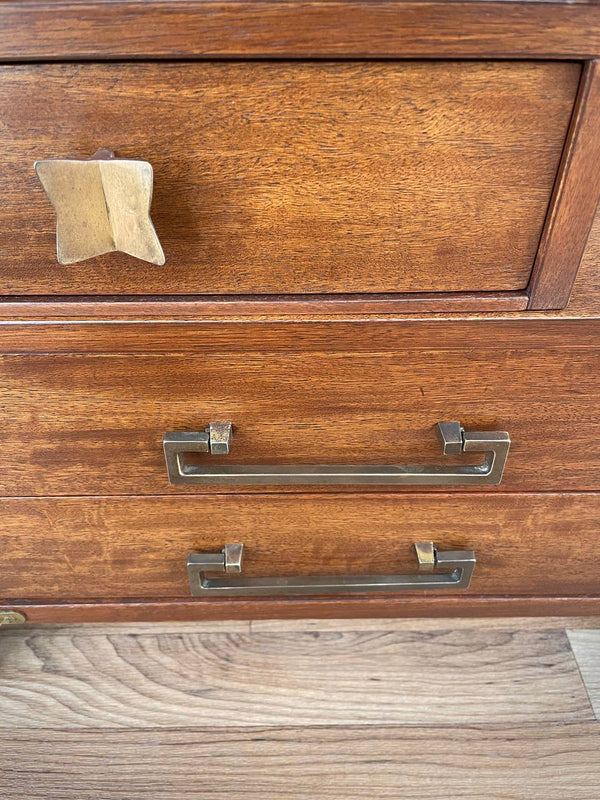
70	549
353	177
92	424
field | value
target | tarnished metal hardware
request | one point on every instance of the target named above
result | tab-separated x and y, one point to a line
437	570
10	617
214	440
454	438
219	437
102	205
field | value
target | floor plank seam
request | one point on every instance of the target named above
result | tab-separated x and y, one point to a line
492	727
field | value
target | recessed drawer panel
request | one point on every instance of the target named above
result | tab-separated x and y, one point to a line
363	396
69	549
298	178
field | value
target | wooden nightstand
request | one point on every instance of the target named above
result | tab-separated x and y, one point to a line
373	215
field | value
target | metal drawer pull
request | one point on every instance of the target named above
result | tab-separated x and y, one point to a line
102	205
455	571
10	617
455	440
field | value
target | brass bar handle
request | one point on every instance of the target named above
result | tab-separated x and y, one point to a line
437	570
454	438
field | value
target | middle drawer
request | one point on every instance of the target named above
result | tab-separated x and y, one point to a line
90	420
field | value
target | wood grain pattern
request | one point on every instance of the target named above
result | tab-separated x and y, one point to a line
307	625
384	606
225	680
77	549
413	763
586	649
98	749
187	337
259	306
585	299
295	178
584	303
382	28
404	624
93	424
574	202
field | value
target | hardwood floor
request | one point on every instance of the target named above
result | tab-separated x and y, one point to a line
302	709
586	649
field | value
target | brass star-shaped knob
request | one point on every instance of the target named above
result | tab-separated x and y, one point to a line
102	204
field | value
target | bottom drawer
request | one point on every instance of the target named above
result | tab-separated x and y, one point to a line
60	551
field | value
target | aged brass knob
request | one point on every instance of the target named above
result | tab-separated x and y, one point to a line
102	204
10	617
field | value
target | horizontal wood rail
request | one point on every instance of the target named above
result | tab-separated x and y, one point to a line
199	306
71	29
321	608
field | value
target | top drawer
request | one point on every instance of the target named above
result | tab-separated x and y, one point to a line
294	178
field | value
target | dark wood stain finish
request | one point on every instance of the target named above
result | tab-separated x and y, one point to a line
174	609
318	159
265	337
93	423
102	549
67	29
295	178
259	306
574	201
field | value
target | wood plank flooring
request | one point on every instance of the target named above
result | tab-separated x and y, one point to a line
586	649
524	763
423	709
